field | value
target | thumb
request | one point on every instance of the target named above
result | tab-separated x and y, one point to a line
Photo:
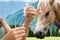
5	25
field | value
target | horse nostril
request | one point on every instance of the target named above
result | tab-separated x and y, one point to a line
40	35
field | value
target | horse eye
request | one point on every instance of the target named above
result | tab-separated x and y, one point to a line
47	14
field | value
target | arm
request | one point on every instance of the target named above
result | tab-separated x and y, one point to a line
5	25
30	13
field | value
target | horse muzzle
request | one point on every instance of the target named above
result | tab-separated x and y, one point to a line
40	35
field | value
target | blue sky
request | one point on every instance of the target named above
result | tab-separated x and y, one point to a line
7	8
21	0
11	6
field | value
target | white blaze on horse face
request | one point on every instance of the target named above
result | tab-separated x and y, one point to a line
40	26
43	1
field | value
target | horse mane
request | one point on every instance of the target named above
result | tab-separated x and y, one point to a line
56	3
56	9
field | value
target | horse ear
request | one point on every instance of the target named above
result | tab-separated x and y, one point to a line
51	2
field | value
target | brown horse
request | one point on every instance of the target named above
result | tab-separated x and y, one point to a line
48	12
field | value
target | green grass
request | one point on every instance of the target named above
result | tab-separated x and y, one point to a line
46	38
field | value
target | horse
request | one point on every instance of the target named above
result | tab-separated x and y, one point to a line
48	12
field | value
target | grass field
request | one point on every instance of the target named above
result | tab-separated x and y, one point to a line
46	38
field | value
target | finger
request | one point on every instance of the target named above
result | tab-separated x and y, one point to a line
28	7
19	28
31	12
20	35
19	31
19	38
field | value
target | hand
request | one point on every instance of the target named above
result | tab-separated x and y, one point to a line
30	11
15	34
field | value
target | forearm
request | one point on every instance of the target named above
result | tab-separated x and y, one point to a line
27	22
5	37
5	25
